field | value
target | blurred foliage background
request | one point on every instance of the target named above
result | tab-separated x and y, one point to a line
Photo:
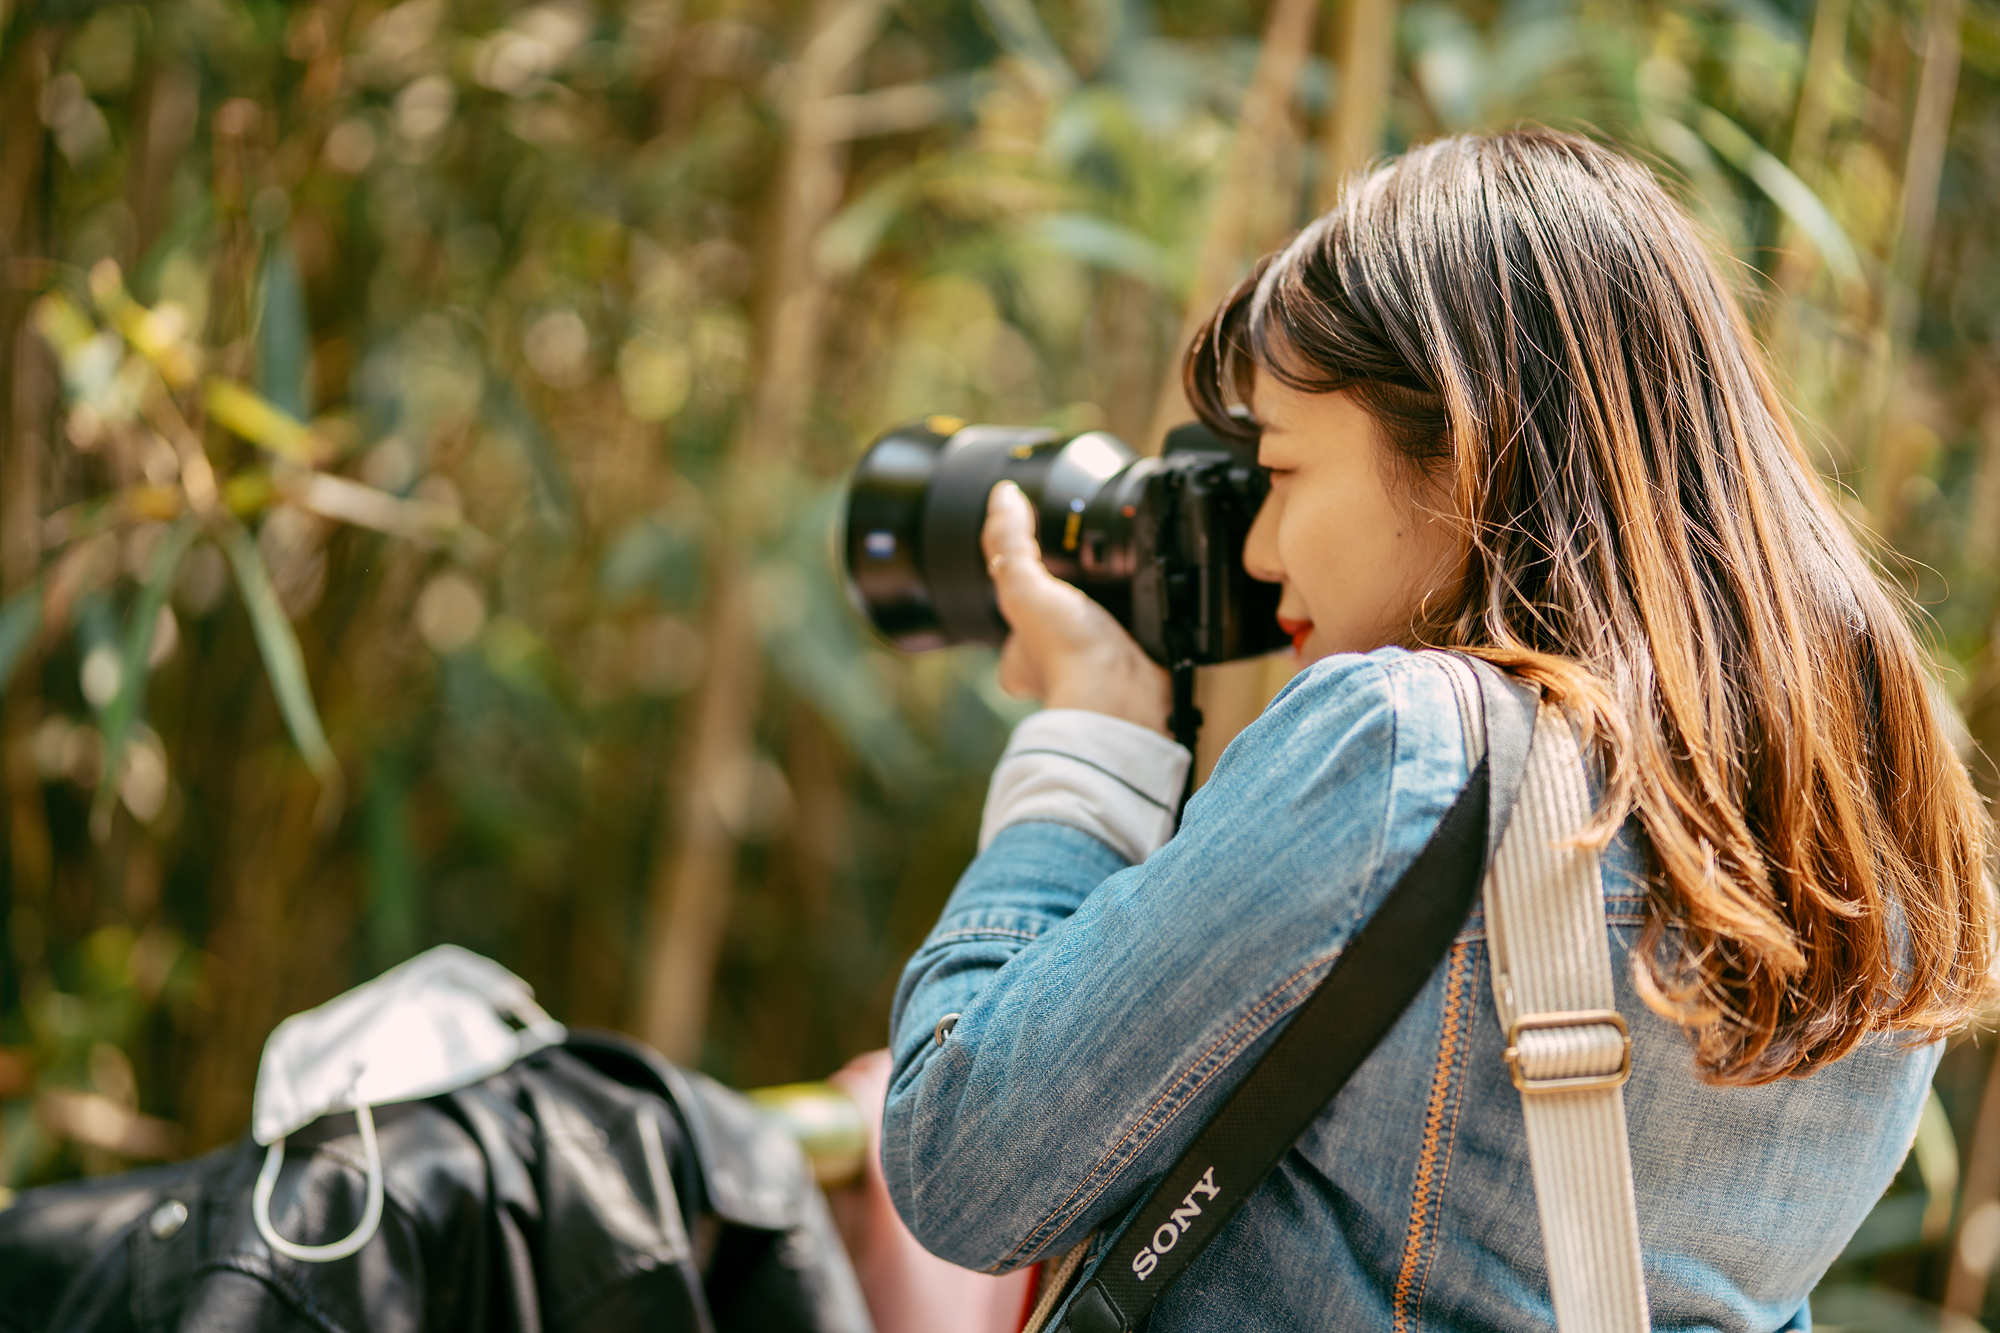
423	427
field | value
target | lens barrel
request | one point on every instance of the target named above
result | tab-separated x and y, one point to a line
917	503
1157	541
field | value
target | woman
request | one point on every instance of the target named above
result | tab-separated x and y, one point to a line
1509	407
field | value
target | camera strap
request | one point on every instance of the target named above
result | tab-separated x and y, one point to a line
1377	975
1185	724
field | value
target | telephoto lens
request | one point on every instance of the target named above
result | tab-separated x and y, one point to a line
1158	542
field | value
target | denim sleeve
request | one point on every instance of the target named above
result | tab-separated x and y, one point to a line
1107	1010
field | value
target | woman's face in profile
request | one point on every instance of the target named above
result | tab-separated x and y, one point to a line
1354	549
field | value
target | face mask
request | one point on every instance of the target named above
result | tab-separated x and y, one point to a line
445	1019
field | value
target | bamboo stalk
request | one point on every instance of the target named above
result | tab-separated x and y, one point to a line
1923	165
1364	41
167	105
689	898
27	396
1246	183
22	144
1824	56
689	907
1975	1244
1971	1252
1889	456
1982	529
1231	696
278	942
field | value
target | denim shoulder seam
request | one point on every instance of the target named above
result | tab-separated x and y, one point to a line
1393	675
980	932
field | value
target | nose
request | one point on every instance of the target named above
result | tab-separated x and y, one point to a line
1260	545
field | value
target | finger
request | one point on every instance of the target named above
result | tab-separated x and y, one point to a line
1013	559
1009	530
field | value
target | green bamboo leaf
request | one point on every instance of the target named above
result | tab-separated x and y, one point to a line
1794	198
502	408
815	641
1713	193
20	622
260	421
283	661
850	239
284	342
1105	244
394	869
1936	1153
62	323
140	625
1021	31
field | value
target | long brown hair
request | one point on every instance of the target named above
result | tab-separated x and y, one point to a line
1539	329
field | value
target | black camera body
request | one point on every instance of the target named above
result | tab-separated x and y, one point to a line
1158	542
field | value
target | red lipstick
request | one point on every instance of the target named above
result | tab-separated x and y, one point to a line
1298	629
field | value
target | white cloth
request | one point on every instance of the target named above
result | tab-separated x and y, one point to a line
432	1024
1113	779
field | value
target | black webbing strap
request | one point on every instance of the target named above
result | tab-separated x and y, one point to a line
1185	723
1336	1028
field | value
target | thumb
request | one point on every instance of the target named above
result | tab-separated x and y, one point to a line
1008	537
1021	582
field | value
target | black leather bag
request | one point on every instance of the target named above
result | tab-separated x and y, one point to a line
533	1201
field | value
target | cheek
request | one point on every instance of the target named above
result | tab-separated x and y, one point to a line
1353	555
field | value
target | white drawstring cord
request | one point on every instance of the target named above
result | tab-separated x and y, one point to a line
371	1215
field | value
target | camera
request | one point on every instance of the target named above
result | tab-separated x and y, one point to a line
1158	542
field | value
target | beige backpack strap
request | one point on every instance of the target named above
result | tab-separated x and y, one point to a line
1053	1283
1567	1046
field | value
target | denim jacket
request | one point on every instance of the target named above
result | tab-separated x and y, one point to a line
1107	1010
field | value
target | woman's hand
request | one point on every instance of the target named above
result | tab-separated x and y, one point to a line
1065	649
